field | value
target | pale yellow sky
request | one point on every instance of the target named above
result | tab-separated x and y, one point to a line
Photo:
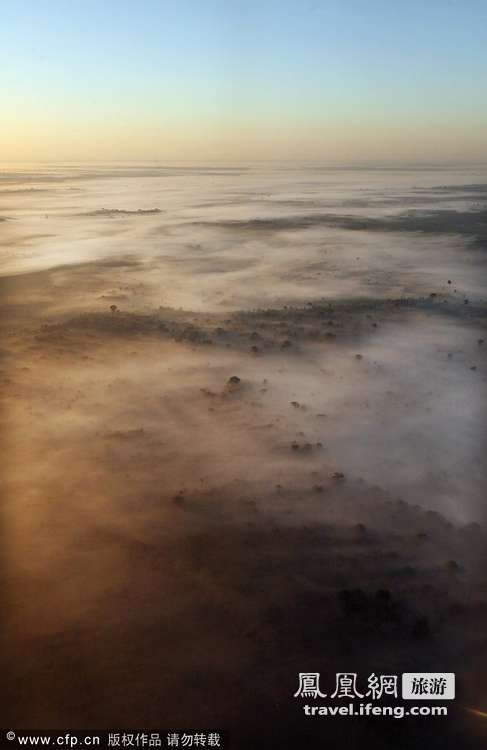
63	138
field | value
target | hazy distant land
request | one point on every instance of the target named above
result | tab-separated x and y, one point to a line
243	436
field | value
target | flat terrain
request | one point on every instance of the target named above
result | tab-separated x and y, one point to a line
243	436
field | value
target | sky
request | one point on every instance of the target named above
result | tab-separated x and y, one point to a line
331	80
